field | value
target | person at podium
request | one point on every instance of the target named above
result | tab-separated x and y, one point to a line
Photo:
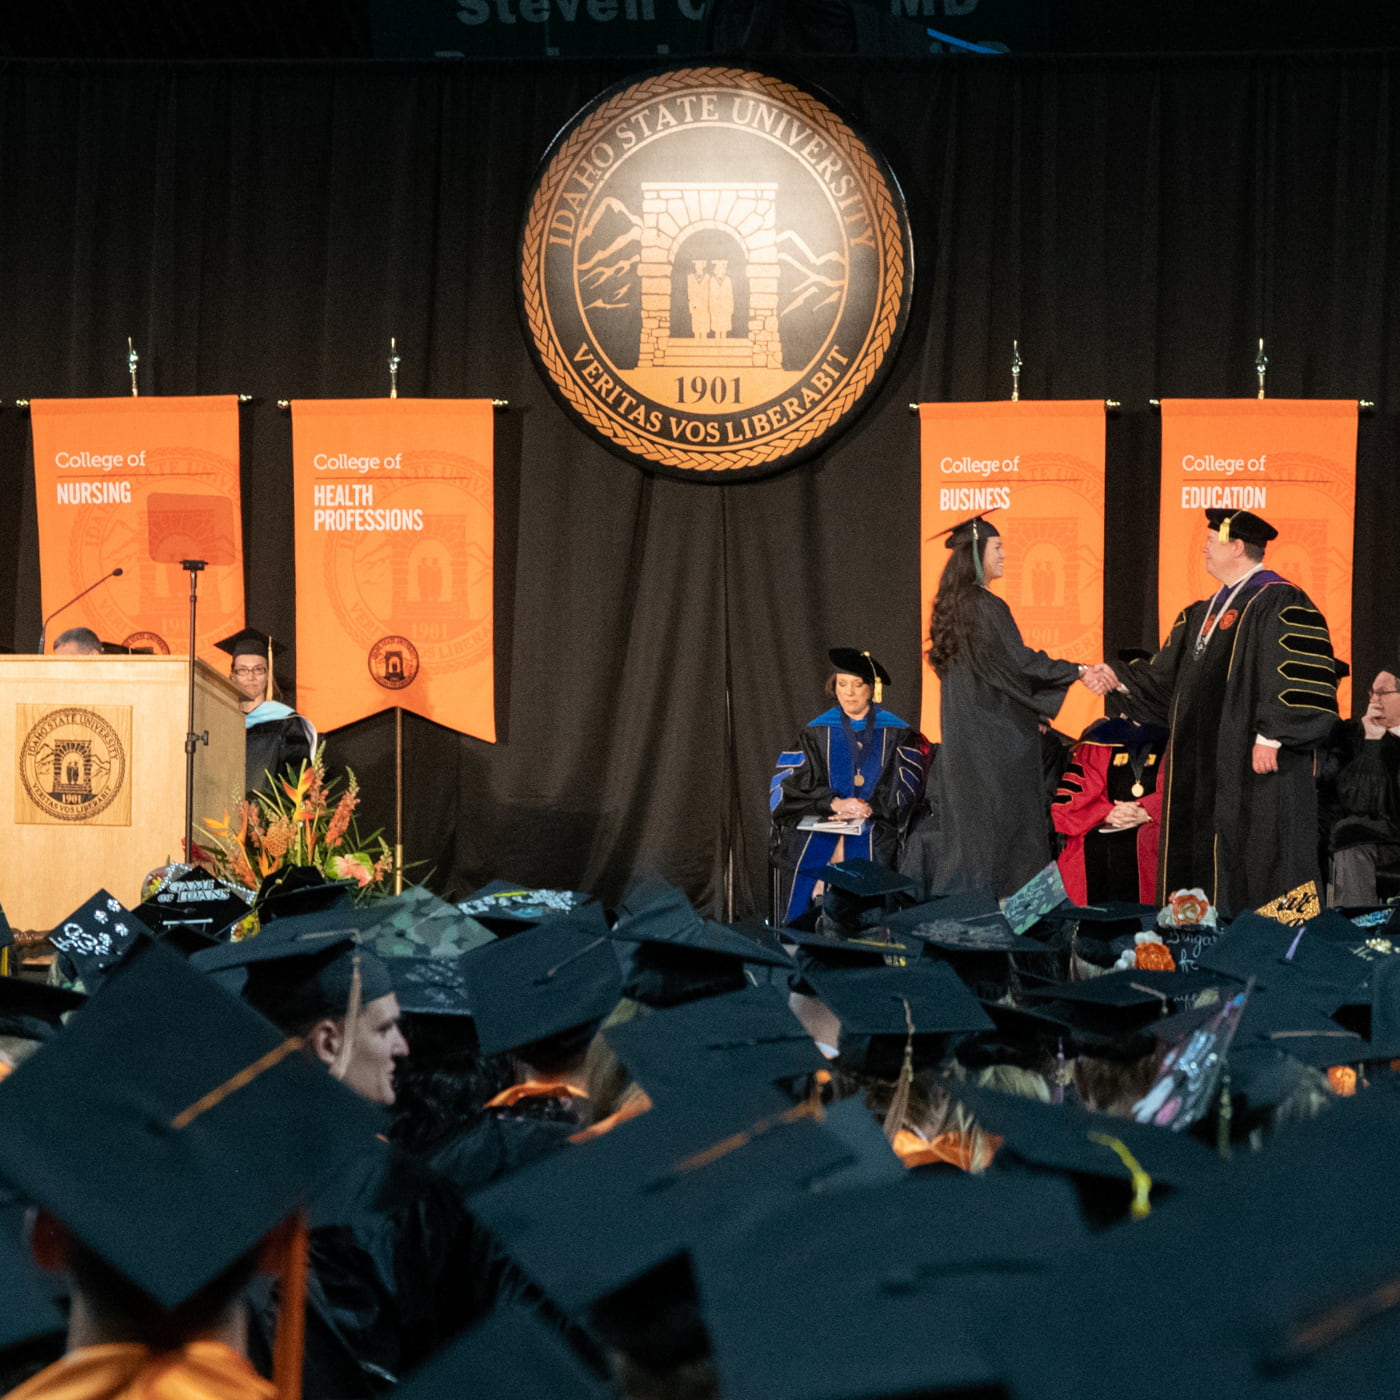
78	641
279	740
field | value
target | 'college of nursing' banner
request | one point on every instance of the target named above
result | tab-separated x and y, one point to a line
1292	461
395	556
140	484
1040	467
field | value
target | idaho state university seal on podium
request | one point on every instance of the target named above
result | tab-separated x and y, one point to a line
73	764
715	271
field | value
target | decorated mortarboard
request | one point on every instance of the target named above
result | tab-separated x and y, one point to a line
430	986
875	1265
1240	525
190	1127
1042	893
962	924
34	1010
249	641
542	982
652	1189
506	907
190	898
417	923
513	1352
95	937
723	1045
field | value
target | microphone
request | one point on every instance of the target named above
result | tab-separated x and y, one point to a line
44	630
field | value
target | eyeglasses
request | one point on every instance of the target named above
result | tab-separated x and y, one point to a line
1376	694
250	671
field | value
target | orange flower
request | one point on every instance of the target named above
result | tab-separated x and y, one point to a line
1155	957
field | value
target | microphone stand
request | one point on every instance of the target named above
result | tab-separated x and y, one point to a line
192	740
44	630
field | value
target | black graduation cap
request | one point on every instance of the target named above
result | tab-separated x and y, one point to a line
654	1187
294	980
1240	525
301	889
192	899
1068	1138
975	527
858	893
883	1009
721	1045
513	1352
507	907
189	1127
679	956
34	1010
853	662
95	937
542	982
1280	957
832	1297
249	641
1280	1281
430	986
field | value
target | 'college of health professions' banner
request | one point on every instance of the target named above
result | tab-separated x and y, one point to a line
1040	467
1292	461
395	553
139	484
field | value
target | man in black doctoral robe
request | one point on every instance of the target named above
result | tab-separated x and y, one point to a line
1246	683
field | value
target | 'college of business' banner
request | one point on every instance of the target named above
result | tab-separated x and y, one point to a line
1292	461
1040	467
140	484
395	553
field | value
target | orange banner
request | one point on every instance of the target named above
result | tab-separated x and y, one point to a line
1291	461
395	558
1040	467
139	484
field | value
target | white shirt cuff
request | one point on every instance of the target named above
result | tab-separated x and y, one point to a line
1268	743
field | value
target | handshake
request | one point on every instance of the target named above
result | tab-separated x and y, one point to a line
1100	678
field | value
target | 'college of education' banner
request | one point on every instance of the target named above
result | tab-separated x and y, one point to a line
395	554
140	484
1040	467
1292	461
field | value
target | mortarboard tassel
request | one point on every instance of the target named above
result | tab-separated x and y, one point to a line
977	556
899	1104
878	694
267	689
1222	1125
289	1343
352	1016
1142	1183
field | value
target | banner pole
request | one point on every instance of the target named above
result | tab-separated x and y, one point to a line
398	799
192	740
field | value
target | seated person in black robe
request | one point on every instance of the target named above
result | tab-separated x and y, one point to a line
1361	799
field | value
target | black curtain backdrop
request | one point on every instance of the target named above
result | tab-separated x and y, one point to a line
1136	223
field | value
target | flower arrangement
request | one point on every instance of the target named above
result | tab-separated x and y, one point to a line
304	823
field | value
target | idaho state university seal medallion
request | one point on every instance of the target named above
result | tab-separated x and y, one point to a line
72	764
715	271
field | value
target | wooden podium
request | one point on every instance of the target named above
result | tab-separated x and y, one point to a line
94	792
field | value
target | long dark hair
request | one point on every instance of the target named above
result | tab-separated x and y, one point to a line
952	625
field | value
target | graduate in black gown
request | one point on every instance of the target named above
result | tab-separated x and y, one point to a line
990	806
1247	684
855	760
